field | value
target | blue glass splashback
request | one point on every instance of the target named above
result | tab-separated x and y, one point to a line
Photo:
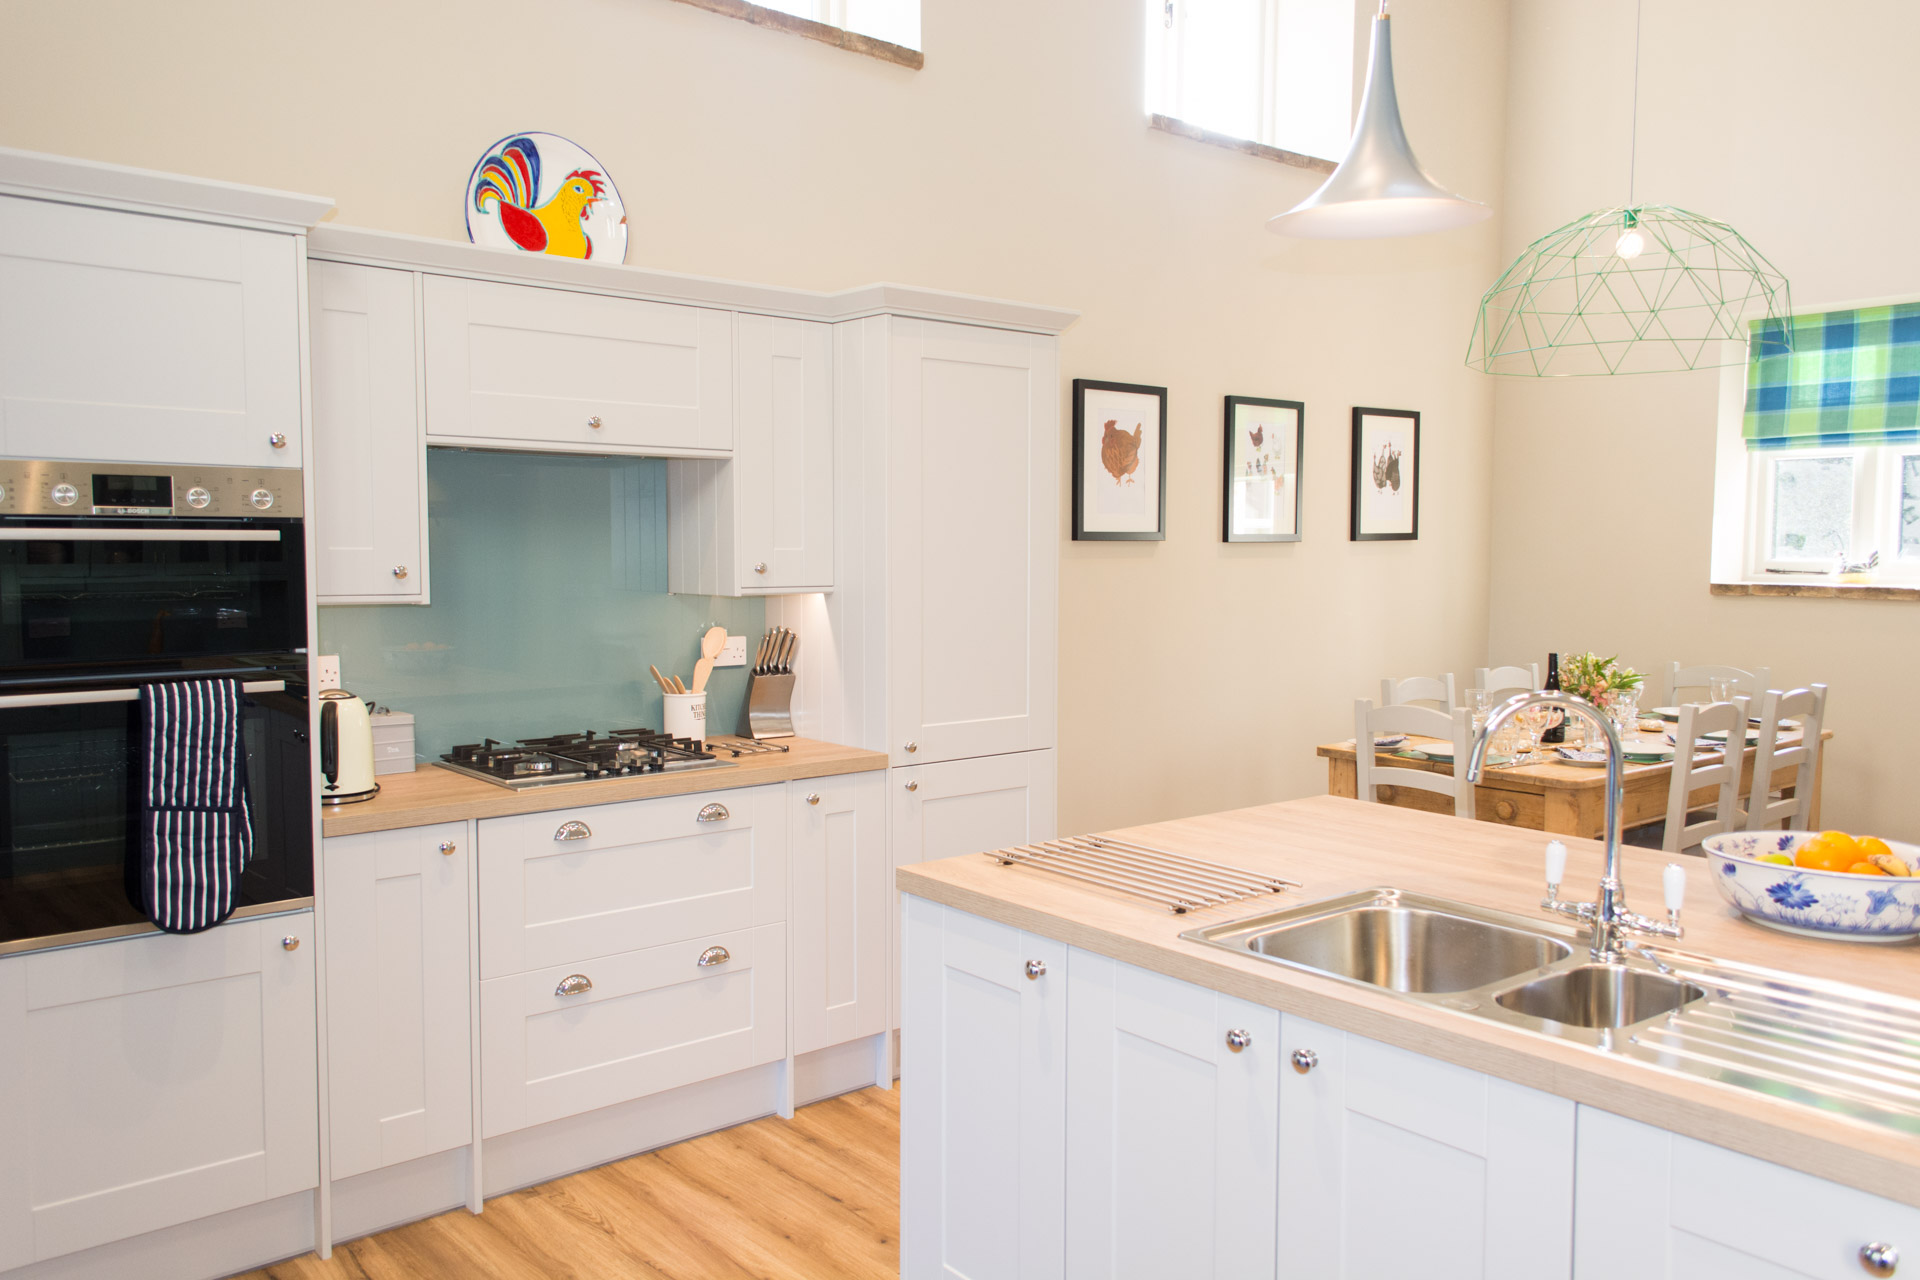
549	600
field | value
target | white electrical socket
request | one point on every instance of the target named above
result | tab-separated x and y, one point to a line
734	654
326	670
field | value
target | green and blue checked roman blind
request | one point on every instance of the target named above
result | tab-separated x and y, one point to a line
1835	380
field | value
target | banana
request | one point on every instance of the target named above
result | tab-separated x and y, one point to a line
1889	864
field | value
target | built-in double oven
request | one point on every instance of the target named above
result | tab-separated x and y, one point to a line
113	577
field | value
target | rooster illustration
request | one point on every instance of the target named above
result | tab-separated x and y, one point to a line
1258	434
1120	452
508	184
1386	469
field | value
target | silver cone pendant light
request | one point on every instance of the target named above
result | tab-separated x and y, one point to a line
1379	189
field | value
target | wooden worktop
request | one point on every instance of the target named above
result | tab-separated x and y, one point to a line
1335	846
429	794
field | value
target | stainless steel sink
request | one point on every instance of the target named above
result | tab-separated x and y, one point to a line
1401	941
1599	995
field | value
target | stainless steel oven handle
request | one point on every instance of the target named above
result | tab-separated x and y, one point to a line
92	533
111	695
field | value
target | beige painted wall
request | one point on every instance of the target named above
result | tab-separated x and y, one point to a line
1195	676
1788	123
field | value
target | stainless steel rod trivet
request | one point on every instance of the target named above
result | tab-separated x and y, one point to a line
1175	881
745	746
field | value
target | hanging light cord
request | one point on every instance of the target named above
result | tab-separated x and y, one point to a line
1633	143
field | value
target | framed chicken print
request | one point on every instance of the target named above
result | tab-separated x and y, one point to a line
1119	461
1386	475
1264	442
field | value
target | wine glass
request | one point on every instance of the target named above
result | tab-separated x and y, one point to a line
1535	720
1626	710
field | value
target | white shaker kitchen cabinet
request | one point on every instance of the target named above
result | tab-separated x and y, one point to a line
983	1124
973	529
1393	1163
369	446
153	1080
129	338
572	1038
1172	1094
1662	1206
554	369
762	521
843	907
571	884
399	1039
969	806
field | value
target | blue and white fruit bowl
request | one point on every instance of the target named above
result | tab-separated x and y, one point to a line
1819	904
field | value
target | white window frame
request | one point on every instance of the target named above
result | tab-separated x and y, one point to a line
835	13
1743	492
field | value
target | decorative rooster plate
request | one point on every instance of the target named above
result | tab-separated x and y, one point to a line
539	193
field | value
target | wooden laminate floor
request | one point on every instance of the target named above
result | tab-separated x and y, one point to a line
815	1196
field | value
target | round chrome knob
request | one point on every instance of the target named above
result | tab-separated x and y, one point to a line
447	847
913	786
261	498
813	797
290	943
65	494
1238	1039
1878	1259
1036	969
912	747
594	422
399	571
761	567
278	440
198	498
3	493
1305	1060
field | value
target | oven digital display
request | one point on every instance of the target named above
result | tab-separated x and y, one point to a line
133	494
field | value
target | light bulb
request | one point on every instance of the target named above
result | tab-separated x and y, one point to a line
1630	244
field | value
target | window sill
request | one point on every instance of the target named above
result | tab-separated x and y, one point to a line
1821	590
851	41
1181	129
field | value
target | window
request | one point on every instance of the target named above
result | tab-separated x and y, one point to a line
1277	72
894	21
1829	426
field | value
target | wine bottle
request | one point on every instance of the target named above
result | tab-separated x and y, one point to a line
1559	731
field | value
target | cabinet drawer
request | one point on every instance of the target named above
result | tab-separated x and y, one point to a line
649	1020
572	884
517	362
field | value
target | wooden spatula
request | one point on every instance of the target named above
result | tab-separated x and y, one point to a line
710	646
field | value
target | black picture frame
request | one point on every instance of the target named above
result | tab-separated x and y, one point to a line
1364	459
1157	460
1228	476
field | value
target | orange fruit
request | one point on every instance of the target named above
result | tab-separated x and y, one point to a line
1870	845
1865	869
1828	851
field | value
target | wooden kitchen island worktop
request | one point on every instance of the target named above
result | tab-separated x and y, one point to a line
1335	846
430	794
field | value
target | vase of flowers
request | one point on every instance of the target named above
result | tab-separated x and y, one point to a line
1597	679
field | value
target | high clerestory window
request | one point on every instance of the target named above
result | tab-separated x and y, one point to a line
1275	72
886	29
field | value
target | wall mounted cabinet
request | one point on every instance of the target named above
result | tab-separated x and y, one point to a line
583	372
130	338
399	1038
369	449
154	1080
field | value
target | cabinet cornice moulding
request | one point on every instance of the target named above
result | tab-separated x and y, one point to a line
423	253
37	175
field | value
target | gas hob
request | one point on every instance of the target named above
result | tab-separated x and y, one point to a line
579	757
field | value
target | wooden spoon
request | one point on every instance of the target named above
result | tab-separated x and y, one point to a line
662	680
710	646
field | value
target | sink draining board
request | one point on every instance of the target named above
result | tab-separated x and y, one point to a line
1171	880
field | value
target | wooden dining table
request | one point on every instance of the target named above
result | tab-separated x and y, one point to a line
1566	799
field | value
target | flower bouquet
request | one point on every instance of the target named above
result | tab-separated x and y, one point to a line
1596	679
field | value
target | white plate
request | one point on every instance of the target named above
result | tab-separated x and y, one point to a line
541	193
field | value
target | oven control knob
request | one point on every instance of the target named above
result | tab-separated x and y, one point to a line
65	494
198	498
261	498
3	493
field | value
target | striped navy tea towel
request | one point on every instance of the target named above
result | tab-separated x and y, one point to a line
196	834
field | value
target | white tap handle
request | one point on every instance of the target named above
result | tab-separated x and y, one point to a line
1556	862
1673	881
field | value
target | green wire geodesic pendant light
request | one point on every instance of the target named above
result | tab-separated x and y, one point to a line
1636	289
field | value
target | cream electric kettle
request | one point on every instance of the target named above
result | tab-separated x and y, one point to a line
346	749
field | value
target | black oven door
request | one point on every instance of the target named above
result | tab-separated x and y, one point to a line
69	808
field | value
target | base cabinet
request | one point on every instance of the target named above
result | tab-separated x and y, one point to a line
842	904
1657	1205
983	1125
399	1038
154	1080
1394	1163
1171	1127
